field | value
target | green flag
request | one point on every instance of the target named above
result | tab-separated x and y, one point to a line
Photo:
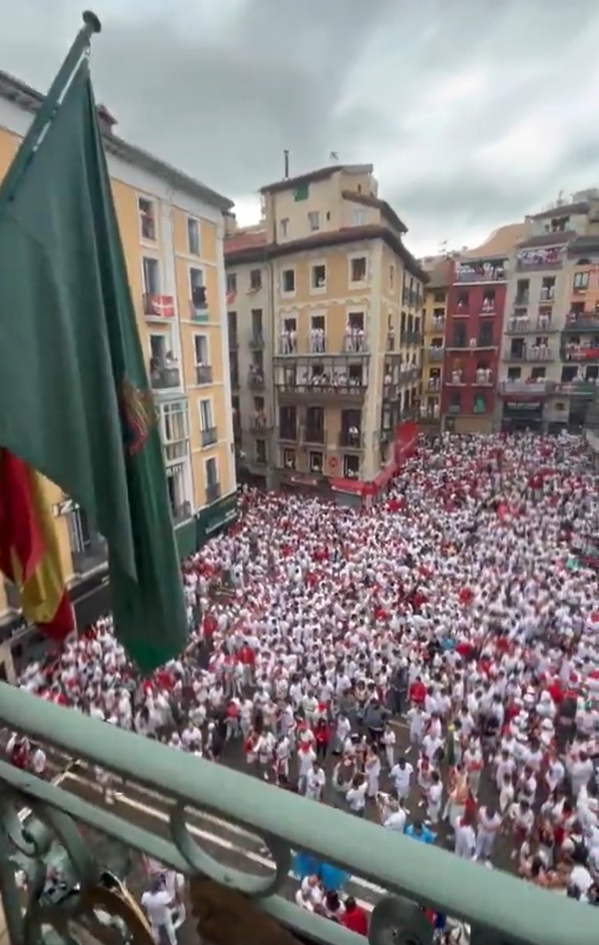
74	397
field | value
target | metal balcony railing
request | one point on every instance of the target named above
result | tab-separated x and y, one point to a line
164	376
351	440
583	321
203	374
255	380
256	339
209	436
73	830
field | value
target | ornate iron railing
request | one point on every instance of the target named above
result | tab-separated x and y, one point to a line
498	908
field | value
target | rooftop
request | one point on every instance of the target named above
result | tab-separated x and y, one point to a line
323	173
500	243
547	239
561	210
29	99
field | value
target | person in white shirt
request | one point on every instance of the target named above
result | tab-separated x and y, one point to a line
465	839
489	823
393	815
315	782
434	797
401	775
389	740
37	760
356	795
157	903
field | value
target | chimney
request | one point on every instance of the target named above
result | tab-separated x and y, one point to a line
107	122
286	164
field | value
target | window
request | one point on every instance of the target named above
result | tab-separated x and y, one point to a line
314	220
485	335
581	280
480	404
358	269
200	346
211	477
316	463
538	373
257	326
351	466
206	419
193	236
391	275
151	275
284	225
147	219
197	295
439	296
287	423
261	452
289	458
288	281
176	483
355	321
459	336
231	283
358	216
159	347
174	430
301	192
255	279
319	276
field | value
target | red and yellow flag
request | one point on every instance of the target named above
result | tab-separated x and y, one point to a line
29	552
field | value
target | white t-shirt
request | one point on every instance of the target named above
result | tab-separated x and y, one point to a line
157	905
396	821
582	879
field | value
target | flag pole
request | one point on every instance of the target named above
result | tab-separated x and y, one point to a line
49	107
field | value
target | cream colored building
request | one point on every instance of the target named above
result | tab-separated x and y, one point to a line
549	361
341	301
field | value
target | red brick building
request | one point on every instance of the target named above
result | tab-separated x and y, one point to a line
474	327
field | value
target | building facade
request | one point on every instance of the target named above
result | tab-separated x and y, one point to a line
172	231
433	344
338	369
550	350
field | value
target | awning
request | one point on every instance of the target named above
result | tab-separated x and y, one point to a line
352	486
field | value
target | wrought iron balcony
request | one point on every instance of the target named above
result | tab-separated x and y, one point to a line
351	440
158	306
533	387
260	422
74	831
529	326
321	391
209	436
530	354
164	376
578	388
256	380
203	374
256	340
313	435
435	353
212	492
582	321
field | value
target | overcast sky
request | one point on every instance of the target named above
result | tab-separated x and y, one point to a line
473	112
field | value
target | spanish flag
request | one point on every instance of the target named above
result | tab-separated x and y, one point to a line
29	552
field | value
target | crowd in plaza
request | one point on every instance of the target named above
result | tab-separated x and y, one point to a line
431	662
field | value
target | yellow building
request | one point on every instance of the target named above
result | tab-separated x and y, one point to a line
433	346
172	230
340	302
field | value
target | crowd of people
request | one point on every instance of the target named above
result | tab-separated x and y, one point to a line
431	662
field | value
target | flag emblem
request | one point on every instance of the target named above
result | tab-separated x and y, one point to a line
138	416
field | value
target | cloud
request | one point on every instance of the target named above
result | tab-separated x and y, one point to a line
473	114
